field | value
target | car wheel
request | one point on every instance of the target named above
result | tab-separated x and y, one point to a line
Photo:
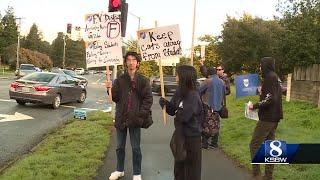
56	102
82	97
21	102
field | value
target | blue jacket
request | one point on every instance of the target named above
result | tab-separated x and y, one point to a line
215	88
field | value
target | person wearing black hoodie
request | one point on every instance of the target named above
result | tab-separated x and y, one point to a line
269	112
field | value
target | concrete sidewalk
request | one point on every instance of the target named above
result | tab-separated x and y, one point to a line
157	160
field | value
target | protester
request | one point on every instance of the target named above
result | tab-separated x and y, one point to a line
133	97
269	113
221	74
186	106
213	91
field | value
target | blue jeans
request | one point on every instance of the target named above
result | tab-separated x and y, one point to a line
135	136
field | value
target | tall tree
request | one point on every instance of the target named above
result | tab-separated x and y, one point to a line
33	39
245	41
9	32
57	50
301	20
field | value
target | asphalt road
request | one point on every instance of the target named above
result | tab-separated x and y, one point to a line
19	137
157	159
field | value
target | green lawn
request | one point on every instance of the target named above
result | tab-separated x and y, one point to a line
5	71
301	124
74	151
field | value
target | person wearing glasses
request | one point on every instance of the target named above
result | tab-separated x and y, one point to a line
224	77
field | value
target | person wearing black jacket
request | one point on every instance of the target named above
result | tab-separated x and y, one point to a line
186	106
269	112
133	97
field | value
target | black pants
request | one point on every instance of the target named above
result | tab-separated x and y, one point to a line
190	169
263	131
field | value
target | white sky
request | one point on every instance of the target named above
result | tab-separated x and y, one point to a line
52	16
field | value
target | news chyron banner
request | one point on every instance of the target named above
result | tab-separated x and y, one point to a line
160	43
103	39
279	152
246	85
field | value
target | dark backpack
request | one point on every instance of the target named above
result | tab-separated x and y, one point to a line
210	122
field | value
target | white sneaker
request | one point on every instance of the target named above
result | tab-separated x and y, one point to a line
116	175
137	177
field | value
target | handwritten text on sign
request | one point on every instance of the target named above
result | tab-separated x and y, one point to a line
102	53
160	43
103	39
102	26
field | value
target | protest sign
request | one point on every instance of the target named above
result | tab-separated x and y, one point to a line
159	43
250	114
103	39
246	85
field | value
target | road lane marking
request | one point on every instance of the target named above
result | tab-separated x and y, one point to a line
16	117
7	100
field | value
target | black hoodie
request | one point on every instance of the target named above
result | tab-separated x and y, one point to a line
270	105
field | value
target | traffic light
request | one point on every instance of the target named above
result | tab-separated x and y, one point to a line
114	5
69	27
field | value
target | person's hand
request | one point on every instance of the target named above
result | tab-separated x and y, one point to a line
163	102
251	107
201	62
108	84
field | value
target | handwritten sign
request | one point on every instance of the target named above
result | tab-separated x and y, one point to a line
160	43
102	53
103	39
172	61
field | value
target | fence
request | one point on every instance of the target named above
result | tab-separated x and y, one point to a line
305	84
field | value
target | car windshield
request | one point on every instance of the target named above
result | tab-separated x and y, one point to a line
70	73
39	77
27	67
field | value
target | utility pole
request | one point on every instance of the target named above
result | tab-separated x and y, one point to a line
18	45
193	27
64	51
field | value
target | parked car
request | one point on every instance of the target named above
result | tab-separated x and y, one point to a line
79	71
80	79
25	69
47	88
170	84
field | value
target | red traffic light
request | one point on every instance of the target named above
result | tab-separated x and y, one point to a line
114	5
69	27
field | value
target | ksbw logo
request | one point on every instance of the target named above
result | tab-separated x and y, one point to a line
275	152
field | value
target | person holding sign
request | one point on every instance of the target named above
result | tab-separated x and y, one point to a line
269	112
186	106
133	97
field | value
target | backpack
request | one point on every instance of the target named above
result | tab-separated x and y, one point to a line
211	121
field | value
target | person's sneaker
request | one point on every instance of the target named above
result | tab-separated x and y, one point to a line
116	175
213	146
137	177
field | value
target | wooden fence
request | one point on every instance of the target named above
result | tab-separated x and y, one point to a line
305	84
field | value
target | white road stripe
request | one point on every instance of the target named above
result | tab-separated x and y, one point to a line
7	100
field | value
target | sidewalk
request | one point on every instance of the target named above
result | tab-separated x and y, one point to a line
157	160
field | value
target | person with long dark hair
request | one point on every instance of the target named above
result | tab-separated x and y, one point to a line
186	106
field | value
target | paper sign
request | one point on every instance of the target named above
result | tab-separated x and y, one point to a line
103	39
250	114
160	43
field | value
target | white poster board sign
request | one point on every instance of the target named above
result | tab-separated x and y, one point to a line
160	43
250	114
172	61
103	39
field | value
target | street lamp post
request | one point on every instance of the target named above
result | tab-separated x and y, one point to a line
64	51
18	45
193	28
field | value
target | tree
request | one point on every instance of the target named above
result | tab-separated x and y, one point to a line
57	50
9	29
245	41
300	46
33	39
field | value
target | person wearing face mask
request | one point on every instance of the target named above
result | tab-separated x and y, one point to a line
133	97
